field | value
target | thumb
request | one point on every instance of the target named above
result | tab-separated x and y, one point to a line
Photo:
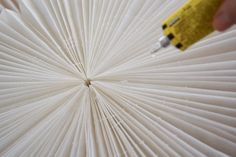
225	16
8	4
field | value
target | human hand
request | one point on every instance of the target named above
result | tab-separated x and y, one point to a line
9	3
225	16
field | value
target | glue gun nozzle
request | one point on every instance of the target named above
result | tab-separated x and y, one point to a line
162	43
156	48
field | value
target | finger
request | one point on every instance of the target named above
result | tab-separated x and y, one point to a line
225	16
16	3
9	4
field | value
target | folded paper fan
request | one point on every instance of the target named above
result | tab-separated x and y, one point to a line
77	79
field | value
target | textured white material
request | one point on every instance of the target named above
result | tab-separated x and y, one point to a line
171	105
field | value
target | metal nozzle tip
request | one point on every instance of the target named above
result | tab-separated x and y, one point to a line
156	48
163	42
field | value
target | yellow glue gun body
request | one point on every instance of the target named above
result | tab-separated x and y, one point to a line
190	23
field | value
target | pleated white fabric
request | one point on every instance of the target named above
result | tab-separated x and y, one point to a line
169	105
